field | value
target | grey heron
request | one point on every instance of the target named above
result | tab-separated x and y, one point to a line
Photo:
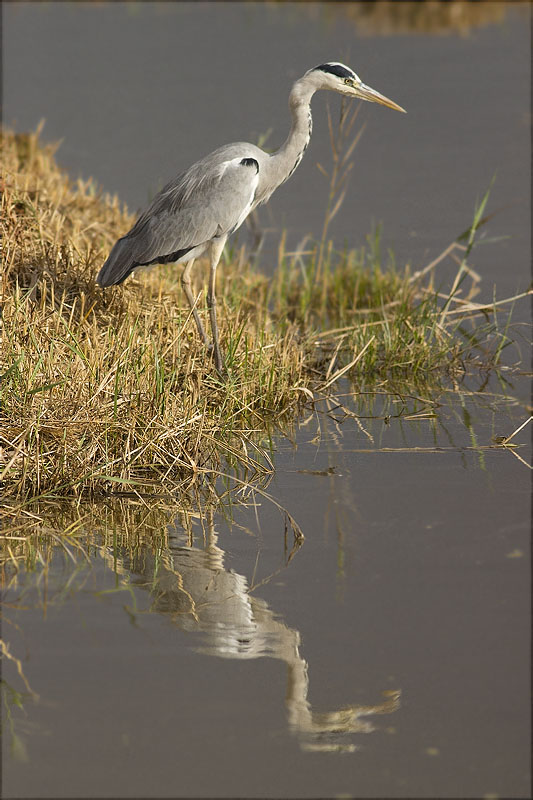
199	209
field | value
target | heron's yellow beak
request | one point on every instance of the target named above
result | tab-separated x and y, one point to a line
366	93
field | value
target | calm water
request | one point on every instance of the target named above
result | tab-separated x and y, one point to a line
137	92
389	654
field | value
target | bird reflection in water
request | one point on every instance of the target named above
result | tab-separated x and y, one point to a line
194	588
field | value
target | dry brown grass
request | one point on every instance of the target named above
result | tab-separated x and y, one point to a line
117	386
115	391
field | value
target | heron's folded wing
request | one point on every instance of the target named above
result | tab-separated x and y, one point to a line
209	200
197	207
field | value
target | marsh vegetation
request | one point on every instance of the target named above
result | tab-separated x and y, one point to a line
107	391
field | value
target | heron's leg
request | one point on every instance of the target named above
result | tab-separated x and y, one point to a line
217	247
186	283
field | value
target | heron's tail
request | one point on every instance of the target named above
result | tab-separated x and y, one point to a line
120	263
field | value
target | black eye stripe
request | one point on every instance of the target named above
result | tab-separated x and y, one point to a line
336	69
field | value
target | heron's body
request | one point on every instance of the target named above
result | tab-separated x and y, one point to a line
199	209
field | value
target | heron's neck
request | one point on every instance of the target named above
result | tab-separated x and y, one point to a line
287	158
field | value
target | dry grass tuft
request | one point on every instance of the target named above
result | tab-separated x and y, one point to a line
116	386
106	391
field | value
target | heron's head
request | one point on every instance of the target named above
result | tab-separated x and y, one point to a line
340	78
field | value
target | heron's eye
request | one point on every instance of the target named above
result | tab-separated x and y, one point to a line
349	81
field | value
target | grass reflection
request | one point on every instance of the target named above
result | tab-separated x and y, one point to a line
179	571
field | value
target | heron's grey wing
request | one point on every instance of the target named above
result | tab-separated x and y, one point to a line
209	200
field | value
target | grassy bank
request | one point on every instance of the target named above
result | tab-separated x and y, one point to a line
103	391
